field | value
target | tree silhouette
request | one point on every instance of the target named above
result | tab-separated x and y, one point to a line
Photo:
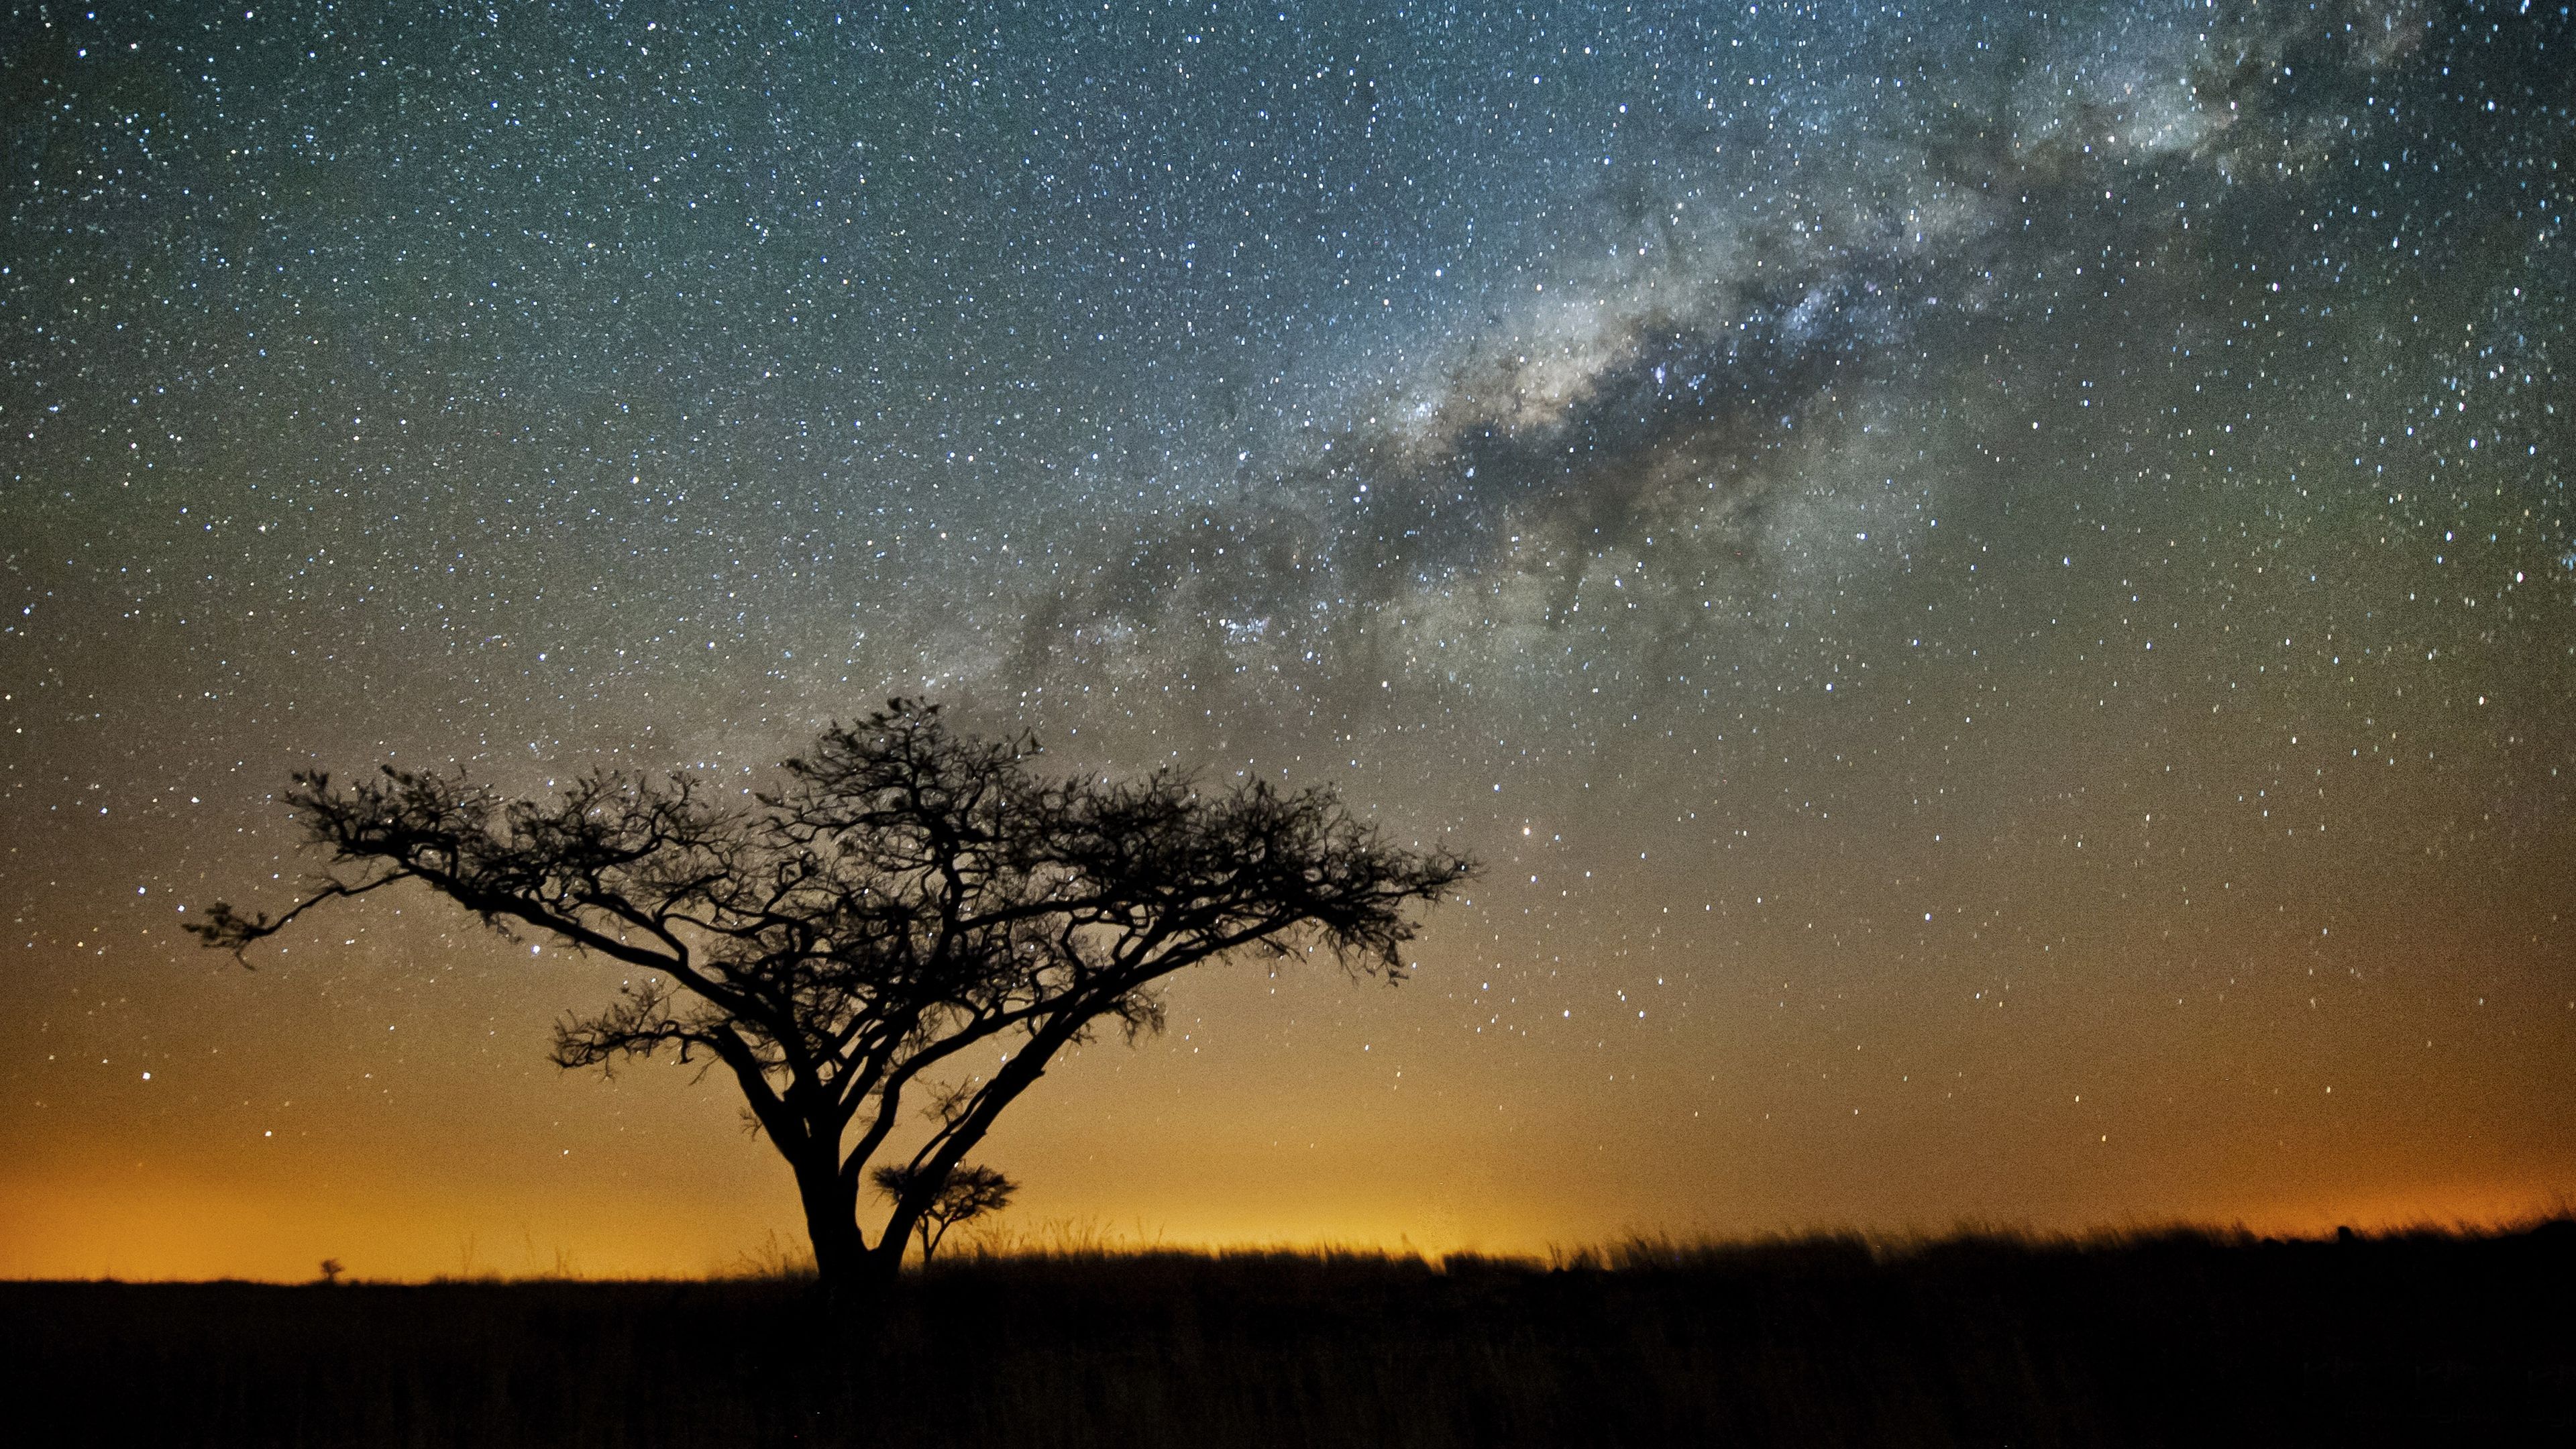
909	912
970	1192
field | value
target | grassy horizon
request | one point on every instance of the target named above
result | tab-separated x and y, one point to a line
2123	1337
783	1259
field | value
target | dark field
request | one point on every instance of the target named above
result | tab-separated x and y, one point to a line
2426	1339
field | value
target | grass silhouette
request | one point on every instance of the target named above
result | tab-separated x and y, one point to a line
2166	1337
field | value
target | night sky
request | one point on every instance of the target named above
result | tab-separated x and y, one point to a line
1996	591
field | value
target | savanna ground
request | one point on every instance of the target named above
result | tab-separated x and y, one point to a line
2181	1338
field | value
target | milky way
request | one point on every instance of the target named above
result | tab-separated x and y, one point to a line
1996	591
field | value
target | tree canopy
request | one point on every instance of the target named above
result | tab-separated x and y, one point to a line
902	895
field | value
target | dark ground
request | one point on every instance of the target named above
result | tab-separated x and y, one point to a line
2177	1339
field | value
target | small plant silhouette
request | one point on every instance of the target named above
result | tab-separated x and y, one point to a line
331	1271
970	1192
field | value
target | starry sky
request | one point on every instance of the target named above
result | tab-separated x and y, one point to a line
1995	589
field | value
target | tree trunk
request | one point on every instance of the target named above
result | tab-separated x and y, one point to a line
841	1257
885	1260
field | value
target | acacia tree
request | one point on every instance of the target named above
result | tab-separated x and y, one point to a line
906	905
969	1193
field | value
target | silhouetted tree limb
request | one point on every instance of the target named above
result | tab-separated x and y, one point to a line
904	896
